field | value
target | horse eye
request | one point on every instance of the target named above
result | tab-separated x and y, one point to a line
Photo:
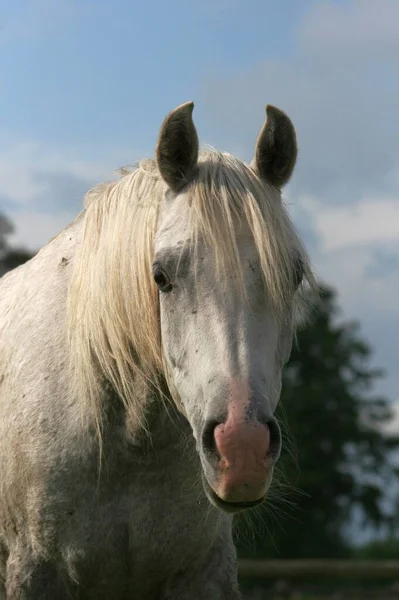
162	280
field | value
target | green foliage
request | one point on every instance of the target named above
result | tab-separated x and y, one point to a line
380	549
341	458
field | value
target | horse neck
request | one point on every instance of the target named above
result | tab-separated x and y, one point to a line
165	427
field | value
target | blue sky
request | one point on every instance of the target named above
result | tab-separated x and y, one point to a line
85	86
102	72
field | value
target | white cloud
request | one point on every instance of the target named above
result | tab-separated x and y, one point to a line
393	426
42	187
349	238
18	185
23	163
363	297
35	229
368	222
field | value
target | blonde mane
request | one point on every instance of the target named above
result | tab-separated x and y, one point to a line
113	300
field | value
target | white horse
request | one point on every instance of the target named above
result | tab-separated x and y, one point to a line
141	354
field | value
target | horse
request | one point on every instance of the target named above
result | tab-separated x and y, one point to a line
141	355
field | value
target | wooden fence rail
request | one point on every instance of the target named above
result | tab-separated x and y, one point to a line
280	569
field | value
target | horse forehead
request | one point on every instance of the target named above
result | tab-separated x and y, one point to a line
174	224
174	219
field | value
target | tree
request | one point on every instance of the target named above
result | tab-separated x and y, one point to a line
5	229
343	456
384	549
10	258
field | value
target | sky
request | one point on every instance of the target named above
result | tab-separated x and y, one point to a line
86	85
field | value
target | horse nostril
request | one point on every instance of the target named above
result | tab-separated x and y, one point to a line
208	437
275	439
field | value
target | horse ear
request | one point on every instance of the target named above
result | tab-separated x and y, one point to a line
276	148
177	147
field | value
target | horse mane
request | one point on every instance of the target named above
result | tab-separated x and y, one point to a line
113	312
